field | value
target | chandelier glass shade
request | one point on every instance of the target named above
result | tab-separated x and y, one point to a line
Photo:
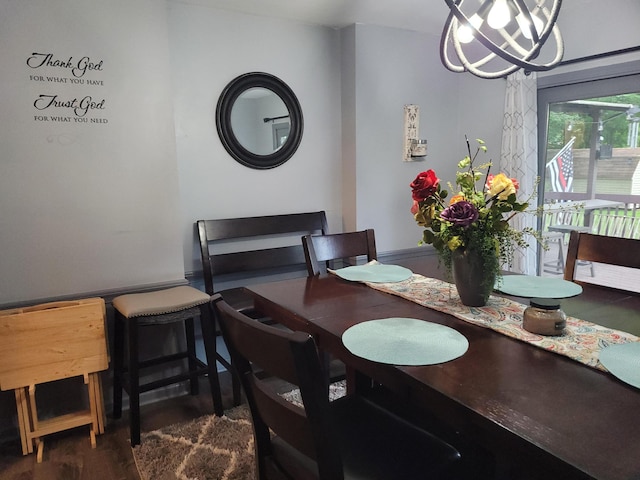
493	38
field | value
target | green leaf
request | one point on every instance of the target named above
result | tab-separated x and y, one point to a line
428	236
465	162
520	207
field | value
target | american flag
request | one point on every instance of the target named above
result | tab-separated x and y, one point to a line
561	168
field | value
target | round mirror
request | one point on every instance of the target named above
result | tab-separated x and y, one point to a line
259	120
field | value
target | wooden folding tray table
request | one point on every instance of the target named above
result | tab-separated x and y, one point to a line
50	342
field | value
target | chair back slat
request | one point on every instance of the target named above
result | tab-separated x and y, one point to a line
587	247
320	249
255	260
234	228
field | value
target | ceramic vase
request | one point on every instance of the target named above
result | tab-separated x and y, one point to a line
474	276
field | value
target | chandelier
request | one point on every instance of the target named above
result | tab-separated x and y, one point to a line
498	37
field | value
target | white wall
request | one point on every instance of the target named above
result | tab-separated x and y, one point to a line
89	202
349	125
592	27
211	47
392	68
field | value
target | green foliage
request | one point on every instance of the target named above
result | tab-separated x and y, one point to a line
615	124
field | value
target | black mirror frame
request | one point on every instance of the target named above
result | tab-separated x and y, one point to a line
223	120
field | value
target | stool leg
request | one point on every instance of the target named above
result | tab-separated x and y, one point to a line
191	355
118	363
134	382
209	339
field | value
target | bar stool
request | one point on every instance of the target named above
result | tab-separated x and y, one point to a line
178	304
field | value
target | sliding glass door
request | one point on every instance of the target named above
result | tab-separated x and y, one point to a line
589	152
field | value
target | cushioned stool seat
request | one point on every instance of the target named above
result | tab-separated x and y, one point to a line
179	304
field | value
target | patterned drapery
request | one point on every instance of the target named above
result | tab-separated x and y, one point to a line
519	155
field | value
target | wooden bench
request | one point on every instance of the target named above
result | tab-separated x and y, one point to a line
237	251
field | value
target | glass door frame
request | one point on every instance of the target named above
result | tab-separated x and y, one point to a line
578	85
598	82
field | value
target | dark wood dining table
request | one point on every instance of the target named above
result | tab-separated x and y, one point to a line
542	415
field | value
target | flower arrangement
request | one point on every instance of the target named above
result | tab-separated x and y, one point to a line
474	218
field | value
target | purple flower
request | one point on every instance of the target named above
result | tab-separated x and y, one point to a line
461	214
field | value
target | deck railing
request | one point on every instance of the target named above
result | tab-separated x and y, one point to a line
617	222
620	221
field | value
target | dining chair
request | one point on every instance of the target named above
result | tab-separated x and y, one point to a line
556	225
351	437
320	250
587	247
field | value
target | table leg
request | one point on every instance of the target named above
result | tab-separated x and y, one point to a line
102	419
30	402
40	444
89	382
22	420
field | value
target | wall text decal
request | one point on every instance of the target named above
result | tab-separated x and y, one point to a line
78	69
68	73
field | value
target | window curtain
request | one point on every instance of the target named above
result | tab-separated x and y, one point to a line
519	157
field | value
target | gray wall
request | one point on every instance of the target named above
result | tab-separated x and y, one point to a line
393	68
113	206
88	202
591	27
208	49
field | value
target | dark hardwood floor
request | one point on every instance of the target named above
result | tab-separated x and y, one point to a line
69	456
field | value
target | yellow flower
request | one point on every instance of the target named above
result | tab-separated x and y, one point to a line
456	199
454	243
502	185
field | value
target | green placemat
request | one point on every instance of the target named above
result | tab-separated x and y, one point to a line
404	341
374	272
537	287
582	341
623	361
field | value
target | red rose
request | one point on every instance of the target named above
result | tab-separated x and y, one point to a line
424	186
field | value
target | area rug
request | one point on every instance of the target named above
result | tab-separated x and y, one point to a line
336	390
206	448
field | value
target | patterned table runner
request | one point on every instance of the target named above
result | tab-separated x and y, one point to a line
582	340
